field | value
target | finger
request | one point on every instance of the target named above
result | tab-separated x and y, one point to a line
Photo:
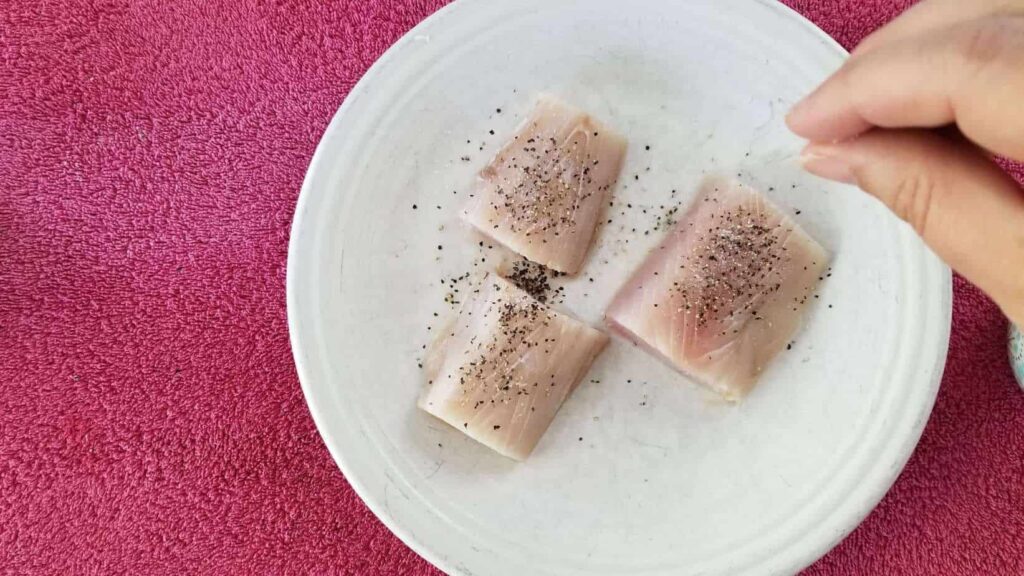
964	207
971	74
933	15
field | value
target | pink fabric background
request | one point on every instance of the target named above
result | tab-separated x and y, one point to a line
151	153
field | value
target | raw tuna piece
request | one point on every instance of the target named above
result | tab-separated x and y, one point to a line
544	193
502	371
725	291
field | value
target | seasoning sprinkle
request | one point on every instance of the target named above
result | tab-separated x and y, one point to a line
534	279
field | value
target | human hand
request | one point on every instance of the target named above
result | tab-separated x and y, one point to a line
913	118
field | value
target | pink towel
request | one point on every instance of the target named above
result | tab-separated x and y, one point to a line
151	152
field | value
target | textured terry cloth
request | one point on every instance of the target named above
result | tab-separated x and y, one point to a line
151	153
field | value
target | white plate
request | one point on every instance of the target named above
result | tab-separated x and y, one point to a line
665	480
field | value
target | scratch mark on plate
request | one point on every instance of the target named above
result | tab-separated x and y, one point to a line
434	472
639	442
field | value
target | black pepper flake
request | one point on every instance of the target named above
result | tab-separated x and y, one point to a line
647	147
413	206
534	279
497	427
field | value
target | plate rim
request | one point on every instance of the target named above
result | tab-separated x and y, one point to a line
320	418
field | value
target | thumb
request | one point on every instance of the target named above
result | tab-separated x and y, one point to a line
965	208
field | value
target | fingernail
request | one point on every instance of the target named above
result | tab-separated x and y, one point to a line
827	162
798	114
797	109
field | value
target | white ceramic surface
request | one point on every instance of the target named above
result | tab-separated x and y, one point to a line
1017	354
666	480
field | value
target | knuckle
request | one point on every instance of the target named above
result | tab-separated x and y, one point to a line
991	39
912	199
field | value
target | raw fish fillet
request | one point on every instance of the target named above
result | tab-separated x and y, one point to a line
725	291
505	367
544	193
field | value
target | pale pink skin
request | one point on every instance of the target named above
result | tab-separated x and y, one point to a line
883	122
508	415
729	349
549	220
